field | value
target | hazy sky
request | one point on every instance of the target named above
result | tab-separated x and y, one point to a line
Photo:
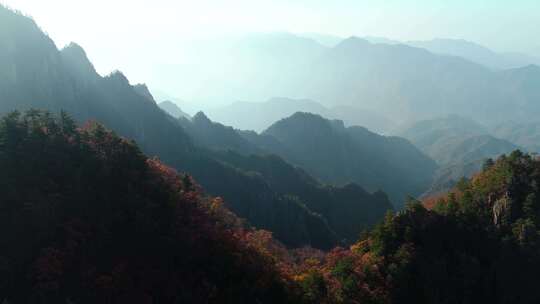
108	29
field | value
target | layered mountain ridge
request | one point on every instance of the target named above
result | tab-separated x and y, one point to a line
45	78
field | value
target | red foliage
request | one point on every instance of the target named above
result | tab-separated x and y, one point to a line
431	201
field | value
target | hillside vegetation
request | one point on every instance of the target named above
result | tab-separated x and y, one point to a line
87	218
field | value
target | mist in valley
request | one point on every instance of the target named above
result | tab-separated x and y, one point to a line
269	151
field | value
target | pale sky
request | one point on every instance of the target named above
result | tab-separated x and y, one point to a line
125	30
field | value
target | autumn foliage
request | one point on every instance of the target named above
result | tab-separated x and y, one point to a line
87	218
478	243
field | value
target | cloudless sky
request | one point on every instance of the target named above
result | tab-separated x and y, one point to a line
105	27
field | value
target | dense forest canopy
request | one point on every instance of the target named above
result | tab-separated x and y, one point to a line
478	243
87	217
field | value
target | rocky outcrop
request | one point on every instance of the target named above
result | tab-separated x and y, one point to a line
502	210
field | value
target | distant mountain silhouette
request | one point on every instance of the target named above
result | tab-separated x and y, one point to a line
454	139
258	116
475	53
173	110
448	176
357	72
453	47
405	82
524	134
339	155
216	136
458	144
399	81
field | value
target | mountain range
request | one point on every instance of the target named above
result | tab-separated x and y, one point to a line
41	76
398	81
454	139
357	72
328	151
338	154
459	145
524	134
476	53
258	116
453	47
108	197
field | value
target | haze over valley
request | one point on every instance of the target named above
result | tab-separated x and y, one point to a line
238	157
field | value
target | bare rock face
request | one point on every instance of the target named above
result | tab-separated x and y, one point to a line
502	210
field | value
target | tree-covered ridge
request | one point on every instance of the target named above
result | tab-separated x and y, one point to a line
215	136
341	212
477	244
87	218
348	209
339	155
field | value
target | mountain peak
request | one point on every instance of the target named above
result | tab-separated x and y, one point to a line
306	116
9	14
301	121
200	117
119	77
168	103
75	49
143	90
352	42
312	118
75	56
